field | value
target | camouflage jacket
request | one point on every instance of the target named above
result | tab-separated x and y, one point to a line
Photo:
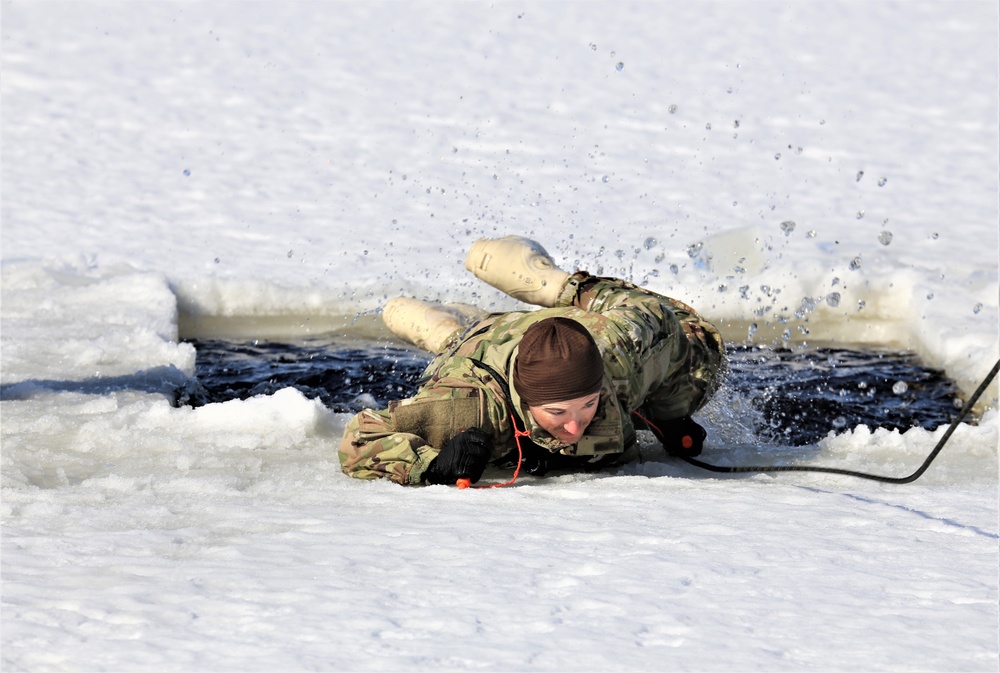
658	355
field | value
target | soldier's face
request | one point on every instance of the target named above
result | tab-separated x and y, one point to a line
566	421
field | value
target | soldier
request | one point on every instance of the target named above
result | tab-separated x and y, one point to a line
564	387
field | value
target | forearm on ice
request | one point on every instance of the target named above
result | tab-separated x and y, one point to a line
370	449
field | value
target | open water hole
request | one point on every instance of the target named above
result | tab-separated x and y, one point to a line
800	394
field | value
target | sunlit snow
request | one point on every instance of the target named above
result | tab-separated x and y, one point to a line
821	172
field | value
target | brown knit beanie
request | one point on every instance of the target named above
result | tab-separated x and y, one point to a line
557	360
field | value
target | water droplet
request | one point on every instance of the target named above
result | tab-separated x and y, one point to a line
798	150
649	243
777	156
977	308
934	236
217	260
899	387
619	66
861	304
860	215
187	171
930	295
807	306
862	385
885	238
672	109
605	178
835	282
290	253
736	123
788	226
860	175
694	250
787	334
882	181
751	330
856	263
593	47
833	299
839	422
674	270
811	233
708	127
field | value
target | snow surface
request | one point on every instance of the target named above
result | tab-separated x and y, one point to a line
175	170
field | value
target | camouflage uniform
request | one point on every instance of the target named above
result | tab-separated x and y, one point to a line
659	356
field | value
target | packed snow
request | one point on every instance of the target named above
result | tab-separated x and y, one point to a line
802	173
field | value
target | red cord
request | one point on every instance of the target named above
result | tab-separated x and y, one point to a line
464	483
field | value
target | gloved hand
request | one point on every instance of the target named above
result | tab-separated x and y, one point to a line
683	437
680	437
464	457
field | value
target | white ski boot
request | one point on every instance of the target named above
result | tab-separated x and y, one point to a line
518	266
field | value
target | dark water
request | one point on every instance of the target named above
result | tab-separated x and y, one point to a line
800	394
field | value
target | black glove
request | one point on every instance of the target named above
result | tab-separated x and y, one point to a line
464	457
680	437
535	460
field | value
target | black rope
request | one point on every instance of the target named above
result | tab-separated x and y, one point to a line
864	475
